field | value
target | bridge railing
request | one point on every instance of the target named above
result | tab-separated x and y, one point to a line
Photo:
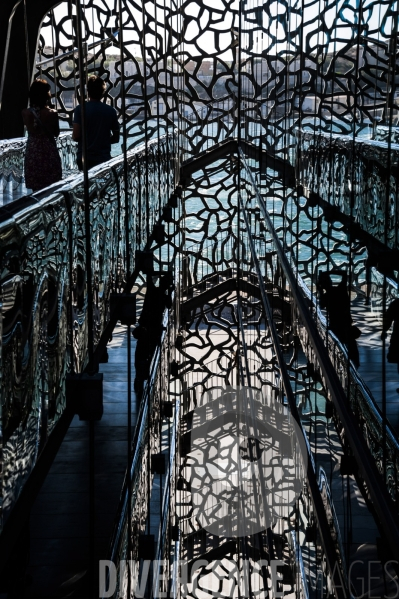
146	442
315	503
44	290
367	439
358	176
384	133
12	156
365	409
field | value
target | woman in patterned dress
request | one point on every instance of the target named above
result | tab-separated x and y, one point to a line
42	160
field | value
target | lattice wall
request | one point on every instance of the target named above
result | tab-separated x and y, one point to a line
286	64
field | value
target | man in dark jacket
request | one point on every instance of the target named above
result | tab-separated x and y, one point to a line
102	127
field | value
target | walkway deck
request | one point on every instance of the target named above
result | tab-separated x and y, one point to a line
59	519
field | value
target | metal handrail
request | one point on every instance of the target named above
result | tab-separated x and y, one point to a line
12	156
354	375
325	533
299	560
349	174
381	499
166	498
44	232
323	482
137	442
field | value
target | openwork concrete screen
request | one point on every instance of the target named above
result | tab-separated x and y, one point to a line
319	65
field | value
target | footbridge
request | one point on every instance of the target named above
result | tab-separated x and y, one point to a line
199	336
242	341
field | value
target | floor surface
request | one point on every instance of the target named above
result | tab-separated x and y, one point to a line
59	520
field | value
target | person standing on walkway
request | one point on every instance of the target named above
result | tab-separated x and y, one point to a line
149	330
102	127
336	301
42	160
392	316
